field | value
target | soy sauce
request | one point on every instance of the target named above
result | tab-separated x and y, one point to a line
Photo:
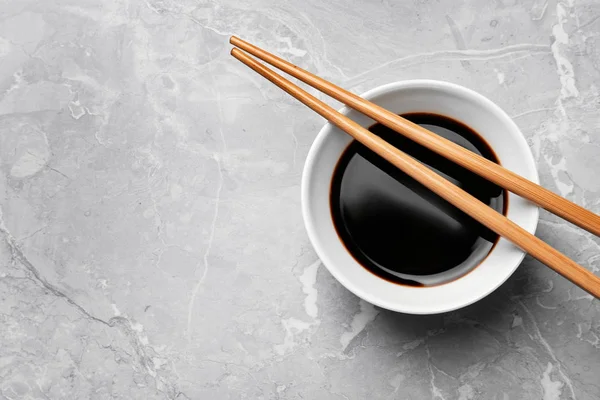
391	224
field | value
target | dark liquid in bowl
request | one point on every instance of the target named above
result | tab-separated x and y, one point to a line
392	224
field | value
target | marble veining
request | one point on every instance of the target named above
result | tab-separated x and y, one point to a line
151	239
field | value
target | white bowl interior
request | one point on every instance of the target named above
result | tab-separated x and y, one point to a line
443	98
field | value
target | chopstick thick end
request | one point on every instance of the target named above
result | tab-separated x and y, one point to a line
235	52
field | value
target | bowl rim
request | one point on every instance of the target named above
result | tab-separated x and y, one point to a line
310	227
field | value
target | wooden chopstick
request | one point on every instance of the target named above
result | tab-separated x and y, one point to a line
439	185
446	148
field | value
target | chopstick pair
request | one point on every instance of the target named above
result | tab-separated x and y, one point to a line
439	185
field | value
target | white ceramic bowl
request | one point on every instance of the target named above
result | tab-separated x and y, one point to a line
443	98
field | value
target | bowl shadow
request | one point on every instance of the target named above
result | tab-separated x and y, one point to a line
494	314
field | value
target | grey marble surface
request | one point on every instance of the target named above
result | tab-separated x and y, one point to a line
151	240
